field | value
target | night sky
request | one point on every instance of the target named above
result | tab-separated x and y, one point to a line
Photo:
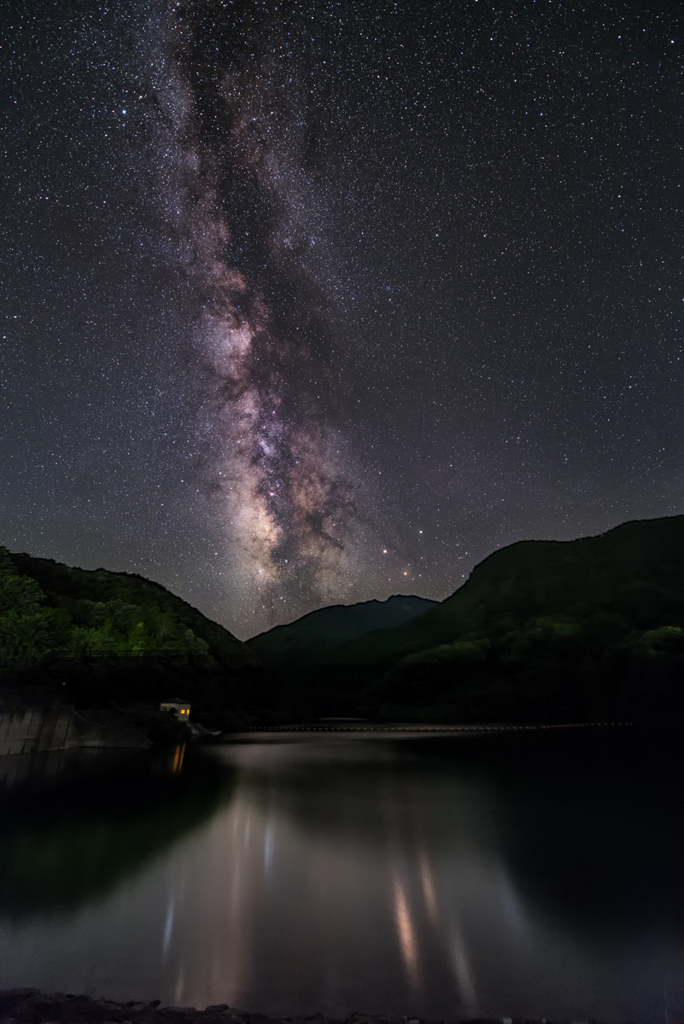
317	302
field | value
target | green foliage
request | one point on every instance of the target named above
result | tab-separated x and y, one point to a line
97	639
19	594
31	636
124	594
82	628
544	636
657	643
460	652
26	628
662	635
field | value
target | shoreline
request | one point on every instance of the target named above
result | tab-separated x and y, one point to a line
31	1006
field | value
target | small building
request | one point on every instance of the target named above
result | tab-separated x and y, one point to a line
180	708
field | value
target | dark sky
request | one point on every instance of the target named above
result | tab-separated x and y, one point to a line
324	301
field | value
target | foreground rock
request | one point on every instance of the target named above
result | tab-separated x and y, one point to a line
29	1006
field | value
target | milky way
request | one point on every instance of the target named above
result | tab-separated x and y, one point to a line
326	301
278	483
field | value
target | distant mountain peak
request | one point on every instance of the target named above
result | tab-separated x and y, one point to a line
305	638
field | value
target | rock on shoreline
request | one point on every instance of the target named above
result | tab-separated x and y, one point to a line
30	1006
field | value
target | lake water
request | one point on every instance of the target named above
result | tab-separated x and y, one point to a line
525	874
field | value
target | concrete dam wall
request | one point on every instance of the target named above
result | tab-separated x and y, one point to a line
35	730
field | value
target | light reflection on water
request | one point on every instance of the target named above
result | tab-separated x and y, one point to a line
391	876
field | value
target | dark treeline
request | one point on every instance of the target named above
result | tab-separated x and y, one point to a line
542	630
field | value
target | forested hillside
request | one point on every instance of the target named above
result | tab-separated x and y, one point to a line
97	637
586	628
542	630
589	628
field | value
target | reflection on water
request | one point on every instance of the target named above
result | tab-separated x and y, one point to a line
528	876
75	825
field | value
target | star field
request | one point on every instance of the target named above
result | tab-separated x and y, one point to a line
319	302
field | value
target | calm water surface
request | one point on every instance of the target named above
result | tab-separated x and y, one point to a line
532	875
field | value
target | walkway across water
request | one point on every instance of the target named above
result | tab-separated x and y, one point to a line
405	727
